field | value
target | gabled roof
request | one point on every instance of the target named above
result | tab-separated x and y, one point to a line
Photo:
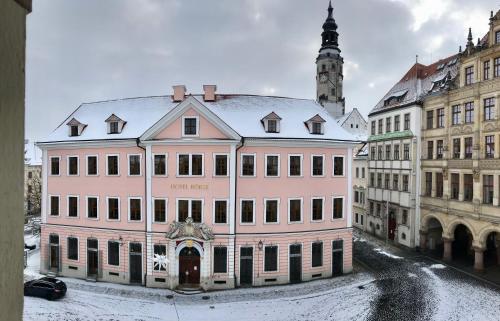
74	122
344	118
272	115
113	117
317	118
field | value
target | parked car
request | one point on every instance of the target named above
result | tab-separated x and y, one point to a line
46	287
30	247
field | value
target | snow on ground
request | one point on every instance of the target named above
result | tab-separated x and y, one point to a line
438	266
392	256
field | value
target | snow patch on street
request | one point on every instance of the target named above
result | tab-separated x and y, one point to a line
392	256
438	266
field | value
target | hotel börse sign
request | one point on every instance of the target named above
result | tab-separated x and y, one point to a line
189	186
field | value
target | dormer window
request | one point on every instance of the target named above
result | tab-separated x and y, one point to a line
75	127
271	123
316	125
115	124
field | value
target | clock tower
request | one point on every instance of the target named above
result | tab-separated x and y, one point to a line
329	68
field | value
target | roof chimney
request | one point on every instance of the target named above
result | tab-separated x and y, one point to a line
209	92
179	93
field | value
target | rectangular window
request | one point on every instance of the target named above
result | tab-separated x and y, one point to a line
372	179
486	70
295	210
221	168
372	153
388	152
405	183
455	186
496	67
439	184
430	149
379	180
497	37
406	151
469	75
387	180
430	119
247	211
468	187
395	182
72	206
160	210
271	215
338	207
189	208
469	112
396	152
72	165
317	165
317	254
160	164
356	196
489	146
272	126
468	147
404	217
113	209
388	125
272	165
271	258
440	118
54	205
220	211
357	172
248	165
380	126
317	128
113	127
489	109
134	165
72	248
91	165
407	122
134	209
488	189
294	165
439	149
196	211
182	210
363	172
428	184
396	123
190	164
220	259
112	165
456	148
190	126
159	250
92	207
338	165
380	153
455	115
113	253
373	127
74	131
317	209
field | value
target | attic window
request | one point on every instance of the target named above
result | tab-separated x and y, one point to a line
113	127
115	124
272	126
271	123
316	128
75	127
74	130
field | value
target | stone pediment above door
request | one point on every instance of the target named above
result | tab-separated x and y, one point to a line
189	229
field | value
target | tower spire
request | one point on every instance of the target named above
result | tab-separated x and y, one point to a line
330	10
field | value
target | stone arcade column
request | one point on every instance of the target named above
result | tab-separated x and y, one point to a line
447	249
478	258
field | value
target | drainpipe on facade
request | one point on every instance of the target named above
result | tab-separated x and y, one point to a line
242	142
145	210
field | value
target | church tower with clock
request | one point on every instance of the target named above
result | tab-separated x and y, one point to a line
329	70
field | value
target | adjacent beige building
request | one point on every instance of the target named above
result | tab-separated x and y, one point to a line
460	190
360	185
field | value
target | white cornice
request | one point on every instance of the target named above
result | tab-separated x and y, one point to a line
87	144
291	142
189	141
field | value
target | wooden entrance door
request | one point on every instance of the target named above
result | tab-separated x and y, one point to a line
92	258
189	266
135	262
337	257
392	225
246	266
295	263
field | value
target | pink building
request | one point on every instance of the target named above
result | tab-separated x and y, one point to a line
211	191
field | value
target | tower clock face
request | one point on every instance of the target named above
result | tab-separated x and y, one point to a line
323	77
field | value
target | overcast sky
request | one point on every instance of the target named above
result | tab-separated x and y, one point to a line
84	51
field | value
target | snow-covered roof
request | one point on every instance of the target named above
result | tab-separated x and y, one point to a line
240	112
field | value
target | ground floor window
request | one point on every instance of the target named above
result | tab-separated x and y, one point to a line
113	253
271	258
160	252
220	259
317	254
72	248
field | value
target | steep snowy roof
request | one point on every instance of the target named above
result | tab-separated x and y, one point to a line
243	113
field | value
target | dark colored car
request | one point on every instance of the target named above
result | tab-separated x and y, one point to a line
46	287
30	247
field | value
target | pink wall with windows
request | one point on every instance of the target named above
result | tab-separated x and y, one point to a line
207	130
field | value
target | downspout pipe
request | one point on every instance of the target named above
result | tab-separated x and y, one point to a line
138	141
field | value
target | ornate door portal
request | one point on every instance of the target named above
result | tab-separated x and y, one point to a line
189	266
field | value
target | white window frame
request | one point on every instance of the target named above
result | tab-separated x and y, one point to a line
241	211
50	165
87	207
154	210
214	157
166	254
343	165
118	163
227	259
312	164
322	255
301	210
77	247
277	214
254	164
50	205
142	211
279	165
166	164
87	165
107	252
107	209
77	207
140	165
227	210
197	126
343	208
190	200
322	198
277	258
191	165
67	165
301	165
